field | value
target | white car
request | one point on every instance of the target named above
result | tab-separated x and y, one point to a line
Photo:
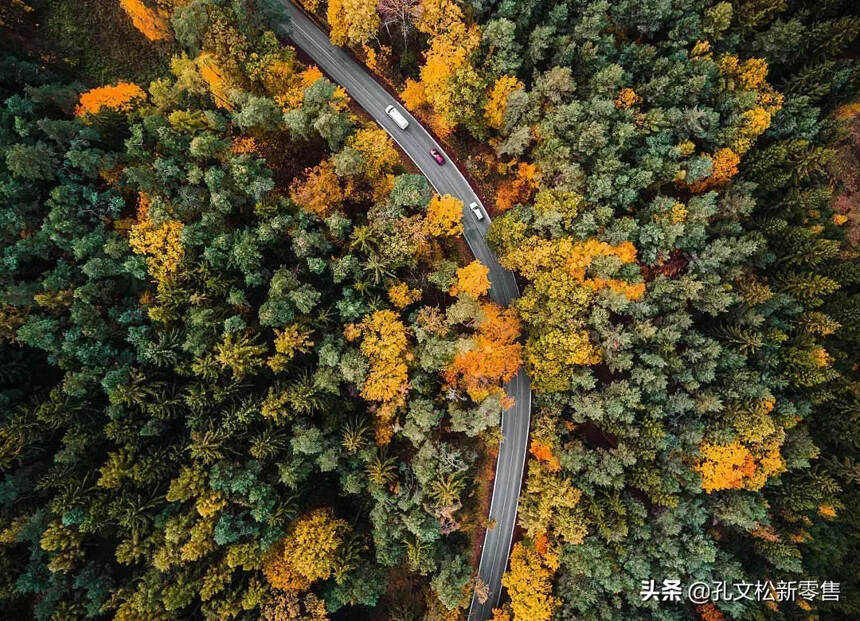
398	118
476	209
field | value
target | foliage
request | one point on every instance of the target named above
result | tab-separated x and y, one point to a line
307	553
146	20
529	583
121	96
352	21
497	103
472	280
445	216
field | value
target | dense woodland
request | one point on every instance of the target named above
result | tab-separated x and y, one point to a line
248	369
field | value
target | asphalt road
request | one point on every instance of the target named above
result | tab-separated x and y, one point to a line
446	179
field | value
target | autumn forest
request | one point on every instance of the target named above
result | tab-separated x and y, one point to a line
250	368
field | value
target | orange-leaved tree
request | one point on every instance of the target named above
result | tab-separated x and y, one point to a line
147	20
318	191
520	190
472	280
122	96
627	98
725	166
490	356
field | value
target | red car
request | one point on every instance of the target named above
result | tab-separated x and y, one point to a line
437	156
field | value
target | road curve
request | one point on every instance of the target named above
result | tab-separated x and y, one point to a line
447	179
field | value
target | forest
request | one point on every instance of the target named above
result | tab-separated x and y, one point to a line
249	368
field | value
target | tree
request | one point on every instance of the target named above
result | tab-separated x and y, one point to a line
162	243
289	342
497	105
401	295
146	20
352	22
550	504
491	356
529	583
410	190
520	190
31	161
122	96
447	62
259	112
472	280
319	192
413	95
308	552
384	343
377	152
444	216
724	166
241	354
504	54
733	466
400	13
385	346
449	584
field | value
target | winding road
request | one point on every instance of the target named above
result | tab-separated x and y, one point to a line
417	142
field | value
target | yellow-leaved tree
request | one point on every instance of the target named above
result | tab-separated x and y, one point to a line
385	344
497	105
444	216
161	243
377	151
402	295
529	583
307	553
352	21
290	341
738	465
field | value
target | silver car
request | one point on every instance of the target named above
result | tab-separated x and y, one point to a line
476	209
